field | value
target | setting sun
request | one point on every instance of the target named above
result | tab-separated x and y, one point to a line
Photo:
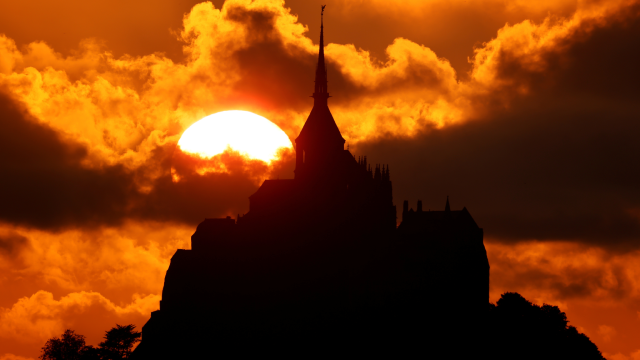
245	132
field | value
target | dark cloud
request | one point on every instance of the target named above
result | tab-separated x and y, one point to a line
534	173
11	243
46	186
560	162
197	196
603	63
276	75
595	64
563	271
270	72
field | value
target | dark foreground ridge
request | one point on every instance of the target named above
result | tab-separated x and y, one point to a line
318	267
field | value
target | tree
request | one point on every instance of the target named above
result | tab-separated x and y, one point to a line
522	330
90	353
67	347
119	342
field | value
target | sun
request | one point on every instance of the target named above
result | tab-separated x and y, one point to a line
249	134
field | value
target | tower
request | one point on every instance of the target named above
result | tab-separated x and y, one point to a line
320	143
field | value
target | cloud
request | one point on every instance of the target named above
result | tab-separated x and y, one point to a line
607	332
619	356
527	174
537	142
102	130
130	258
555	272
82	279
560	53
14	357
11	243
46	184
594	286
9	54
50	185
39	317
546	149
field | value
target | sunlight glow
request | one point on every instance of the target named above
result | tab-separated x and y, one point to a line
251	135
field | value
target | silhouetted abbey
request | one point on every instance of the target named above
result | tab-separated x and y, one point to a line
318	265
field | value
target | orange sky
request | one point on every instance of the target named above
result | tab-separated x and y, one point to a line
524	112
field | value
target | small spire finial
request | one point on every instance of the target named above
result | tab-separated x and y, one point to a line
447	207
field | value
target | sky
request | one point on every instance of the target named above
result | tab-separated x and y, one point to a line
526	113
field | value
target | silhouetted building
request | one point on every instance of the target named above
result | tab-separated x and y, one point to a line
318	265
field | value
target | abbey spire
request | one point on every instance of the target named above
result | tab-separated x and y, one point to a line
320	93
320	141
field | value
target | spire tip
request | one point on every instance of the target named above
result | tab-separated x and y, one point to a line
321	93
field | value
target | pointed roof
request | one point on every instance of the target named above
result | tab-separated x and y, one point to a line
320	126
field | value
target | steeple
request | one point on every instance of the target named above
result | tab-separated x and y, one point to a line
447	207
320	94
319	141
